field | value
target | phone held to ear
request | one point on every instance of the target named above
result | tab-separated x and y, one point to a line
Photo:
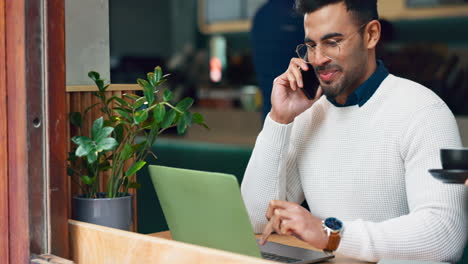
311	83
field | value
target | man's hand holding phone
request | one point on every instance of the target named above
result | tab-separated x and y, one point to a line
287	98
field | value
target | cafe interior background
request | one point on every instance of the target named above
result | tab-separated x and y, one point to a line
206	46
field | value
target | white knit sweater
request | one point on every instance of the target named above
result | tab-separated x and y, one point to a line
367	166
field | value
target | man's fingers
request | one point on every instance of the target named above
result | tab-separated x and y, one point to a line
299	63
282	214
285	228
292	81
278	204
266	233
298	76
276	222
318	93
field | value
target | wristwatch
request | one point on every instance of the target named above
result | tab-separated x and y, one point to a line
333	228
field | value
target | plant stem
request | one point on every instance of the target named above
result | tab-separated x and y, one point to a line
173	107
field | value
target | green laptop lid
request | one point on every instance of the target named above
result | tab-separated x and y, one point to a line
204	208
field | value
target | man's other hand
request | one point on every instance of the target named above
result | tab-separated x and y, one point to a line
286	218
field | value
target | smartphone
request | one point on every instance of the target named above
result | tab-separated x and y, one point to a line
311	83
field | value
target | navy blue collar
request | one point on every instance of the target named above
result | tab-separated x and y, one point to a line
365	91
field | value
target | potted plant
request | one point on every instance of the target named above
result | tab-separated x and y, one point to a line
111	146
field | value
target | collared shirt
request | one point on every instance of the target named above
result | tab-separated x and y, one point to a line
365	91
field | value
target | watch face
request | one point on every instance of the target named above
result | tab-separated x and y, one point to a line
333	223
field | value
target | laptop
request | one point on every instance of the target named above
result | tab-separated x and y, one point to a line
206	209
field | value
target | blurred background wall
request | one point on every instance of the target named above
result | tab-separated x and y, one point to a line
426	41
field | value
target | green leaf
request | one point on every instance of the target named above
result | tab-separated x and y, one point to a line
125	109
103	133
119	132
134	168
131	96
188	118
141	116
149	94
97	126
108	123
100	85
114	119
127	152
151	107
138	103
205	126
70	171
185	104
81	140
157	73
92	156
143	83
168	95
181	127
159	113
151	78
160	82
88	180
93	75
76	119
169	118
123	113
183	122
84	149
120	100
154	125
139	146
106	144
134	185
198	118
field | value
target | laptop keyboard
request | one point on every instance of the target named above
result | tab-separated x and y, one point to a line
274	257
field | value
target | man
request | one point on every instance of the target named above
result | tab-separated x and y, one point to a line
359	154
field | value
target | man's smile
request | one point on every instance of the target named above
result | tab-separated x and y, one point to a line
327	75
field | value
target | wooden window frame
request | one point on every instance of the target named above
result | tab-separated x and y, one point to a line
33	124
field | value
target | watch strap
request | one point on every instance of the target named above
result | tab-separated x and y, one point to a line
333	241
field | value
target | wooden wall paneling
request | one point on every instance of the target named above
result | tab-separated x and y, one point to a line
57	126
17	137
4	245
74	106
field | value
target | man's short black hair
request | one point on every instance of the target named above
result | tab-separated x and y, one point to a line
364	10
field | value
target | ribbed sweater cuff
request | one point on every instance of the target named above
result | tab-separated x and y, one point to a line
276	133
350	244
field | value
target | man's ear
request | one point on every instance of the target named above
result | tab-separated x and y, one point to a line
372	34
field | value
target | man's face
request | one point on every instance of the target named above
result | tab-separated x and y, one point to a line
344	71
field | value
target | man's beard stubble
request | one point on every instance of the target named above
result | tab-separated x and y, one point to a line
346	82
329	90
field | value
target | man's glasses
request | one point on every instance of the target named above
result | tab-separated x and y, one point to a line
329	48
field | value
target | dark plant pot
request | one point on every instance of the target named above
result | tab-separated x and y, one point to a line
111	212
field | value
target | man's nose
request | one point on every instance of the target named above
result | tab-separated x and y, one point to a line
320	58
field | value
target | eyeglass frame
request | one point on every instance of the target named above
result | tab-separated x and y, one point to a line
337	43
